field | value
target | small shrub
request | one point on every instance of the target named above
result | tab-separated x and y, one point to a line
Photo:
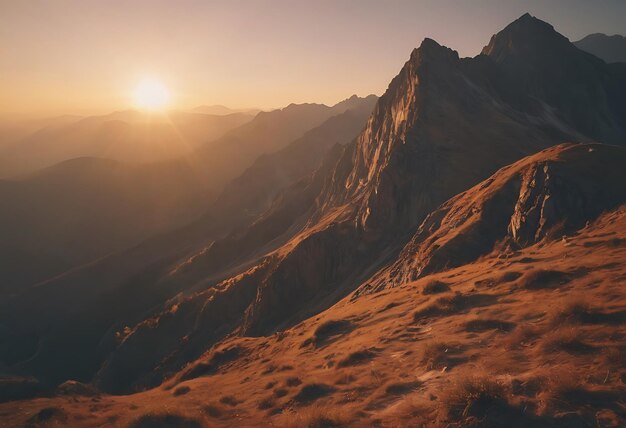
165	420
568	340
293	381
437	355
280	392
213	410
312	392
473	396
484	324
356	358
229	400
435	287
312	417
521	336
181	390
332	328
447	305
266	403
573	310
538	279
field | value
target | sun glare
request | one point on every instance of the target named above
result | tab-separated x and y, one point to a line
150	94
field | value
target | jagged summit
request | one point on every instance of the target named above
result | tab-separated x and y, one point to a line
539	198
526	35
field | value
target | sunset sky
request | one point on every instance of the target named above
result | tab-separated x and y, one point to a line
87	56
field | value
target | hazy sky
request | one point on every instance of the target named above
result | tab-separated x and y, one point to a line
85	55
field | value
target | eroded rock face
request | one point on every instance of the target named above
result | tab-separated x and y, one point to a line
544	196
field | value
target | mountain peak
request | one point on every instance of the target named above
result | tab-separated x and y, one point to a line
429	49
525	33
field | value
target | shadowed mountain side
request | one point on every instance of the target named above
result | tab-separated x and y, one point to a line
226	158
253	191
545	196
120	275
443	125
486	351
128	136
551	76
84	208
608	48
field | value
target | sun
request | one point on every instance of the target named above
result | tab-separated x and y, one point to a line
150	94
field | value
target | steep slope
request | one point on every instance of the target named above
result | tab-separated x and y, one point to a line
226	158
128	136
132	272
548	71
253	191
547	195
608	48
527	338
443	125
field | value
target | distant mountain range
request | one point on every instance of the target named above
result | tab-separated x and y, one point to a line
83	208
128	136
220	110
608	48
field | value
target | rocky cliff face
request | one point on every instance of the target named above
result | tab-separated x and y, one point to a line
541	197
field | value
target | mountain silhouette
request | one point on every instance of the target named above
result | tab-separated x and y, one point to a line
608	48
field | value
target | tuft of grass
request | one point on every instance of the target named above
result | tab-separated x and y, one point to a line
573	310
266	403
485	324
521	336
312	417
356	358
293	381
332	328
229	400
168	419
437	355
568	340
218	359
435	287
181	390
473	396
312	392
539	279
213	410
452	304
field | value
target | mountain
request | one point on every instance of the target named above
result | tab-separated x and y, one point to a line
110	278
224	159
509	338
443	125
608	48
452	265
84	208
221	110
102	215
543	197
128	136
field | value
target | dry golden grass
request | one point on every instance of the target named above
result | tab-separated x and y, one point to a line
312	417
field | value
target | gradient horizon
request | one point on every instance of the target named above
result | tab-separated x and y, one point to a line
86	56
